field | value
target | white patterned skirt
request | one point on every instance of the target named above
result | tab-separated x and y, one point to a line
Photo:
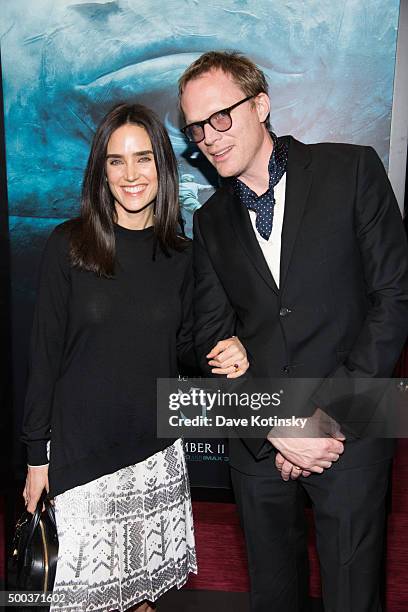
125	537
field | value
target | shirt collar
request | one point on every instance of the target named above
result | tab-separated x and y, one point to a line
241	190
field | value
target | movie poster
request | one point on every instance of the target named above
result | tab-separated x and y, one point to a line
330	68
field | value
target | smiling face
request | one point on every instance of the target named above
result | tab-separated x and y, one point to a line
132	176
242	151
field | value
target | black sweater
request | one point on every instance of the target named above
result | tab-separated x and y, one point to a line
97	347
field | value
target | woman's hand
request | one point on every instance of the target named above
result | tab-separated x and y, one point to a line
36	482
228	357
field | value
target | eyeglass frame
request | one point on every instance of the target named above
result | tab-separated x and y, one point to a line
208	120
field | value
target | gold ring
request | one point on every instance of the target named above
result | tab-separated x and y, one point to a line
236	367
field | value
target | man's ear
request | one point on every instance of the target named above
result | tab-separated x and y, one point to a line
263	106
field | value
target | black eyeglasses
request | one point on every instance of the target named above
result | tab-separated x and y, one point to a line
220	121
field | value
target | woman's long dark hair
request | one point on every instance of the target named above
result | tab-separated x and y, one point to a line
92	234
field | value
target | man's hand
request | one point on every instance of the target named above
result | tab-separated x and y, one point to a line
311	454
36	482
288	470
228	357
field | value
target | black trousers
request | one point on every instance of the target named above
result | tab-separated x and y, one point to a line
349	512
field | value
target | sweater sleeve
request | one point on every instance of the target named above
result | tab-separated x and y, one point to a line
46	346
185	347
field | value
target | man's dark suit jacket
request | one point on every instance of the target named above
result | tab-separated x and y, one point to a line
342	306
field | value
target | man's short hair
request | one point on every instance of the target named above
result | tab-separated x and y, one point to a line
245	73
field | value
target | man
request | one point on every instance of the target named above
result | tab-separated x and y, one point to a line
302	255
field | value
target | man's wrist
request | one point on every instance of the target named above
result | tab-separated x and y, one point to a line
272	435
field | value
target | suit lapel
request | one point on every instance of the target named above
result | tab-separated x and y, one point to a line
242	225
298	183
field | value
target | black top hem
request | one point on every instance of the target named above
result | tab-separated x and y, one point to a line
96	465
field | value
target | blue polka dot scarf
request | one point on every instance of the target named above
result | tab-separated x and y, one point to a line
264	204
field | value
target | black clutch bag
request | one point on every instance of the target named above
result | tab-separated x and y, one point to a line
35	549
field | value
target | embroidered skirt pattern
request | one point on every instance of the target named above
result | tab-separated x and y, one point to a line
125	537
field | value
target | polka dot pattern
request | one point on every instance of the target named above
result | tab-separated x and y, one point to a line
264	204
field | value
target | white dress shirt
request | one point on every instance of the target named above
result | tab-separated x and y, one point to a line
271	248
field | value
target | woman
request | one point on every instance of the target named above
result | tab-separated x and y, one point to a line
114	314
